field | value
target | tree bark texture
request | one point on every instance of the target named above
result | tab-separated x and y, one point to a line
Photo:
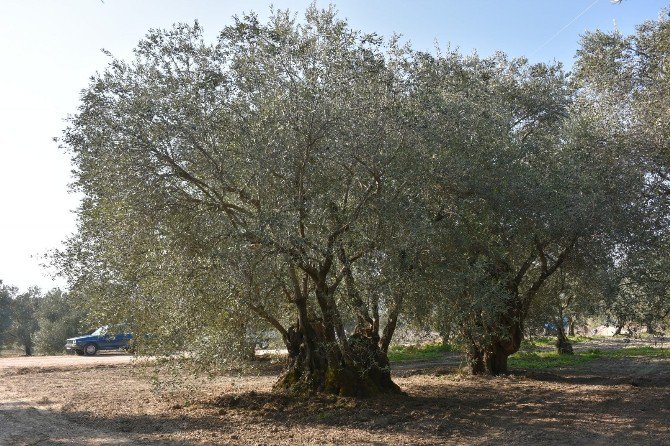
489	357
317	364
323	358
619	327
571	326
563	345
488	354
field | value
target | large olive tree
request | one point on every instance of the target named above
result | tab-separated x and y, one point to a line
525	175
626	77
256	178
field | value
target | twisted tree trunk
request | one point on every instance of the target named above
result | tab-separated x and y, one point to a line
491	358
619	327
571	326
563	345
488	356
323	358
316	364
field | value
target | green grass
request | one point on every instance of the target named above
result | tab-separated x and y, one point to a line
545	360
650	352
548	341
529	360
418	352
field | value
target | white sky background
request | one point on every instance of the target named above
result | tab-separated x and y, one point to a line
48	50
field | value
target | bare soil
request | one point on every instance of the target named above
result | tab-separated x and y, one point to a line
43	363
111	400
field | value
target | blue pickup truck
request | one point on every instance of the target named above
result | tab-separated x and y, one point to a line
104	338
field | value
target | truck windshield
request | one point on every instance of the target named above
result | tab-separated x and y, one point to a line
100	331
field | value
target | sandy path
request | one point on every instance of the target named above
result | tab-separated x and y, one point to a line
27	422
49	362
24	422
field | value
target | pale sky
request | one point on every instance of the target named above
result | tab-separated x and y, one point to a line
48	50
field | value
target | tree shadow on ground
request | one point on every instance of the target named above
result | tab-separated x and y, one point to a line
561	407
628	371
24	424
521	411
597	380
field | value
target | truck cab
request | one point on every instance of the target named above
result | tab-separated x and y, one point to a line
106	337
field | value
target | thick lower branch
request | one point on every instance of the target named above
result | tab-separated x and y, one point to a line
262	312
391	324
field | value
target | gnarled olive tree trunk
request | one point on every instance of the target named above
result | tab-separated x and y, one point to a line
489	356
563	345
316	365
322	358
492	342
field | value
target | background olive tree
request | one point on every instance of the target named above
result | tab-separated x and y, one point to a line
24	323
525	176
6	295
59	317
627	77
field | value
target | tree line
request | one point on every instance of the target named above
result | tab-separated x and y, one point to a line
328	184
38	322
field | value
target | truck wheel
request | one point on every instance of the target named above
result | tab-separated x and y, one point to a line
90	349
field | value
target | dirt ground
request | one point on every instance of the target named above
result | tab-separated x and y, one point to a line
29	363
111	400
